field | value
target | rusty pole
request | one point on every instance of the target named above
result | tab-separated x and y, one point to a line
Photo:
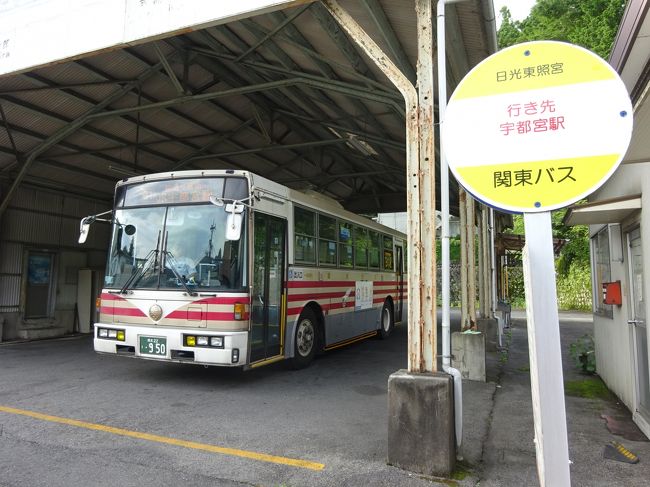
418	360
424	11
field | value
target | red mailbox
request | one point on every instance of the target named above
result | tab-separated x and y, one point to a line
612	293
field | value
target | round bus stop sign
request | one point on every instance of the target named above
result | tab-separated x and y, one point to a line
537	126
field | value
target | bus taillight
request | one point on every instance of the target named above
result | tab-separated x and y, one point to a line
98	303
239	311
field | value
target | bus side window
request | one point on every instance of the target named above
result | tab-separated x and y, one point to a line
304	228
388	254
361	245
327	248
346	253
373	250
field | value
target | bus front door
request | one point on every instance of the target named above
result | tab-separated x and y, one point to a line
267	318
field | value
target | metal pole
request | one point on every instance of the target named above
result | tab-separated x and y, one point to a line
424	14
471	261
481	267
486	304
493	265
416	320
462	209
546	379
445	234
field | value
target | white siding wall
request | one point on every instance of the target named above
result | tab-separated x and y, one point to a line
613	337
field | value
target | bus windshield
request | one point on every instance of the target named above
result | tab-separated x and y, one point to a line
174	247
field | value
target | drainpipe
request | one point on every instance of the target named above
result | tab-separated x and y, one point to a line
488	13
445	236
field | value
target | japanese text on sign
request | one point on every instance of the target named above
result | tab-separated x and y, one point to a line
530	72
532	109
528	177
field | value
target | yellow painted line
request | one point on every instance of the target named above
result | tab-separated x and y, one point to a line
351	341
262	457
271	360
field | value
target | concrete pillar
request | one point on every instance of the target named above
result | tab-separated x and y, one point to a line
421	423
468	355
490	328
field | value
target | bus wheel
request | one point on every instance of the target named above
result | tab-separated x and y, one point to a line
306	340
387	320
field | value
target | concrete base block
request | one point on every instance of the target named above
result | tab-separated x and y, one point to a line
421	423
468	355
490	328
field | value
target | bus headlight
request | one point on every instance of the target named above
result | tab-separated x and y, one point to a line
111	334
203	341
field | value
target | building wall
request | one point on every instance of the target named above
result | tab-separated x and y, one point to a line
48	221
614	336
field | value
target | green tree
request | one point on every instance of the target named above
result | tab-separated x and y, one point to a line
591	24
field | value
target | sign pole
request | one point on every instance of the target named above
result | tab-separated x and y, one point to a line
547	383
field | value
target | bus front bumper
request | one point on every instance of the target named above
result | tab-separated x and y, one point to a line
170	344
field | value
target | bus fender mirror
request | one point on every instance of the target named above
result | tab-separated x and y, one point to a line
216	201
233	226
129	230
84	228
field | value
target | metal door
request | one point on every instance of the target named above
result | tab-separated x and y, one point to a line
638	321
39	285
267	318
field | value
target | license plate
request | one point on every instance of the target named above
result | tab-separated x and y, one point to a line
153	346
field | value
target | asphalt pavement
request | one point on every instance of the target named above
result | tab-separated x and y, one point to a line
69	417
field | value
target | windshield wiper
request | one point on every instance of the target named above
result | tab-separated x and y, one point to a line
135	277
166	255
170	263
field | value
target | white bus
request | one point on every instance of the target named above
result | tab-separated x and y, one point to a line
224	267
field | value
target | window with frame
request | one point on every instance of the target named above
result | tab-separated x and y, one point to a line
327	252
304	235
373	250
361	244
601	271
346	252
388	264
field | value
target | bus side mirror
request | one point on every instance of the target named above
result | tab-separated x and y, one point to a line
84	228
234	220
233	226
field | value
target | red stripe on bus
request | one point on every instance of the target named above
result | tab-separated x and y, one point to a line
304	284
325	307
200	316
111	297
224	300
316	296
128	312
106	310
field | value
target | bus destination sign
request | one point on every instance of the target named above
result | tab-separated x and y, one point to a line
537	126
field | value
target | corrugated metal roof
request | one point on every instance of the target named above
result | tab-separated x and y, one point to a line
221	132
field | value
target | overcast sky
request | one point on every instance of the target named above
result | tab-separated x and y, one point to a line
518	8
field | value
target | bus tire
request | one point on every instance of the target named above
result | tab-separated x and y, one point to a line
386	320
305	342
